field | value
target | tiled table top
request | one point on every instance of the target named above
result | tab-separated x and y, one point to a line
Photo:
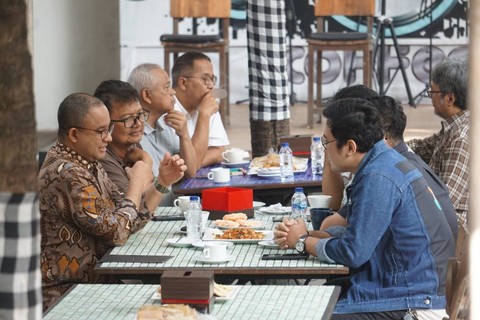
95	301
247	257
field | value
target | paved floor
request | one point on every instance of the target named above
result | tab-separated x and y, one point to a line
421	122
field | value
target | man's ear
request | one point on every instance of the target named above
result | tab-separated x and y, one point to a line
145	95
181	84
451	99
72	135
351	146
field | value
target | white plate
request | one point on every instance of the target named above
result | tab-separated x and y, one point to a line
275	210
268	244
202	259
201	244
209	235
258	204
268	175
179	242
259	227
235	164
182	230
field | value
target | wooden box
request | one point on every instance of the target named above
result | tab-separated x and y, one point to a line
194	288
300	144
222	201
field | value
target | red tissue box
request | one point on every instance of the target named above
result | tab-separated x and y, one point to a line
221	201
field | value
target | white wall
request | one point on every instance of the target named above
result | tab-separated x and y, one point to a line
76	46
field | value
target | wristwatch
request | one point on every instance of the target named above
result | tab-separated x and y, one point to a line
159	187
300	245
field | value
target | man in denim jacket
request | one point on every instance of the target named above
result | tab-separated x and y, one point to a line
397	241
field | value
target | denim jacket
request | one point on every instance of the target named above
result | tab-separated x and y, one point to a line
397	241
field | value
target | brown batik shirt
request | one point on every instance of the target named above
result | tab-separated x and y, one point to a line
82	215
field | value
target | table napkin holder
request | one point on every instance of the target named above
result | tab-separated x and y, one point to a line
300	144
226	200
194	288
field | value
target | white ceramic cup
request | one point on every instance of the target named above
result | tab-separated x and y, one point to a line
219	175
234	155
182	202
215	251
319	200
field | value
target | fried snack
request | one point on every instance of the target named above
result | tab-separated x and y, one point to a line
227	223
240	234
166	312
235	216
272	160
249	223
221	290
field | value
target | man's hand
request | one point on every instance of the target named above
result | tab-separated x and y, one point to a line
178	122
171	169
140	174
208	105
288	232
135	154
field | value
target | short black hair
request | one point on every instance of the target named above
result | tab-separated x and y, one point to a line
116	91
355	91
73	110
184	65
354	119
392	116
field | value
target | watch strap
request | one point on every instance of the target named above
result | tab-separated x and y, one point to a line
159	187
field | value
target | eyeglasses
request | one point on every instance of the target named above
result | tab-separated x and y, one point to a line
431	92
130	121
207	80
102	133
325	142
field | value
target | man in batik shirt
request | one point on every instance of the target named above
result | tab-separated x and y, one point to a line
447	152
82	211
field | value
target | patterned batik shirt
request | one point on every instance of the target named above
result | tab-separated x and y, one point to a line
447	152
82	215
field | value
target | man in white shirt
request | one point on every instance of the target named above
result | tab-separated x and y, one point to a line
193	81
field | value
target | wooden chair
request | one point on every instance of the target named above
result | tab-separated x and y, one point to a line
457	289
176	43
323	40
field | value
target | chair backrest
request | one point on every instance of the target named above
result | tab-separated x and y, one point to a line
457	276
200	8
365	8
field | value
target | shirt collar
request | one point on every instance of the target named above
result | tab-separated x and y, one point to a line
455	121
73	156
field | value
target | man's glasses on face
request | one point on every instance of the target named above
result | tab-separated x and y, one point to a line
207	80
325	142
430	92
103	133
132	120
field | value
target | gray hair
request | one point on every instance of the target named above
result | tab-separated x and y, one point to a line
141	77
451	75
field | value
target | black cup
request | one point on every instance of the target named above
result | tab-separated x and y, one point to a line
317	215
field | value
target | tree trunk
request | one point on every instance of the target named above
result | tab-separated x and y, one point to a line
18	142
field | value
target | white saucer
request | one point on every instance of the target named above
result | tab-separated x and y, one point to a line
179	242
258	204
201	244
268	244
205	260
235	164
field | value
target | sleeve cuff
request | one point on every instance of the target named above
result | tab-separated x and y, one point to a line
321	254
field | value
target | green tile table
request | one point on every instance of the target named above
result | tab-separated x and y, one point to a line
247	262
121	301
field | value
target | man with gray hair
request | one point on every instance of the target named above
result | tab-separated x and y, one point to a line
448	151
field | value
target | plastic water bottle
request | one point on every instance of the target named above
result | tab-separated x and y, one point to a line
317	154
194	219
299	204
286	163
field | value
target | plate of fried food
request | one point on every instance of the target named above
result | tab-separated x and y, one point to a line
237	235
238	220
269	165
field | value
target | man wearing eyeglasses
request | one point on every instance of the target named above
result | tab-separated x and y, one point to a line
193	81
122	102
82	211
447	152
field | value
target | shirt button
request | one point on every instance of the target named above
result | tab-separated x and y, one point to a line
427	301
